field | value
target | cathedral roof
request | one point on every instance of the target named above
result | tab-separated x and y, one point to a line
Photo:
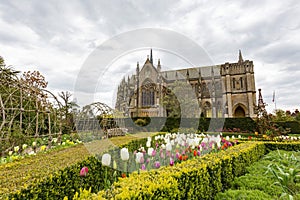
192	72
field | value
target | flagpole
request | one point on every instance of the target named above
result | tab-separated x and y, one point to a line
274	100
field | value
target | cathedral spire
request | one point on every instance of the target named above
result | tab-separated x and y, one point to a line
240	57
151	58
261	103
137	68
158	66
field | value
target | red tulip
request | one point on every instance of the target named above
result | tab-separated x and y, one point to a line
84	171
195	153
185	157
180	157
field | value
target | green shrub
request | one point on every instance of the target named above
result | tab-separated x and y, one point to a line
140	122
294	126
67	182
20	174
243	194
268	177
202	124
200	178
287	146
257	181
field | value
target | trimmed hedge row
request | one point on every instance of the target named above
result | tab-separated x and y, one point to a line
67	181
202	124
169	124
19	174
293	125
197	178
194	179
200	178
287	146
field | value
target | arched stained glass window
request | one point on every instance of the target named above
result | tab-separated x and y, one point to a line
148	94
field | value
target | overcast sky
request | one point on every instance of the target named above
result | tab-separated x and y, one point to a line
57	37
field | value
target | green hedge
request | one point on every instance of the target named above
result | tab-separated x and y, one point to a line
294	126
20	174
202	124
67	181
287	146
200	178
194	179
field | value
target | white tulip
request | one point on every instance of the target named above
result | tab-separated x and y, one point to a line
148	144
182	143
16	148
205	140
106	159
168	147
172	142
150	151
142	149
227	137
138	157
24	146
124	154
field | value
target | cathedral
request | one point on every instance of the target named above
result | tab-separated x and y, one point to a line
219	91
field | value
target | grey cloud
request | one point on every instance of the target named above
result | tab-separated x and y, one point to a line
266	33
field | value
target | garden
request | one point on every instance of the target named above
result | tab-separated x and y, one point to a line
47	154
156	166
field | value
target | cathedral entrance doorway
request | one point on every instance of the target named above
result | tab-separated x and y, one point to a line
239	112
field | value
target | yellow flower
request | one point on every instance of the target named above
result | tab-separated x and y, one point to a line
43	148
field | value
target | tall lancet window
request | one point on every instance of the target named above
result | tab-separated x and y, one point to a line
148	94
241	80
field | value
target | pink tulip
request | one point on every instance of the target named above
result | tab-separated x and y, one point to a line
143	167
171	162
153	153
157	164
84	171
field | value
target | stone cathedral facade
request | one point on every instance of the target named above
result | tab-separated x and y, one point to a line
221	91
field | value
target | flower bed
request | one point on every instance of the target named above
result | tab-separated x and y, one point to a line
101	172
37	146
34	170
21	173
195	178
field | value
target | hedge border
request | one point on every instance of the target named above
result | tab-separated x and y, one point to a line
195	179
